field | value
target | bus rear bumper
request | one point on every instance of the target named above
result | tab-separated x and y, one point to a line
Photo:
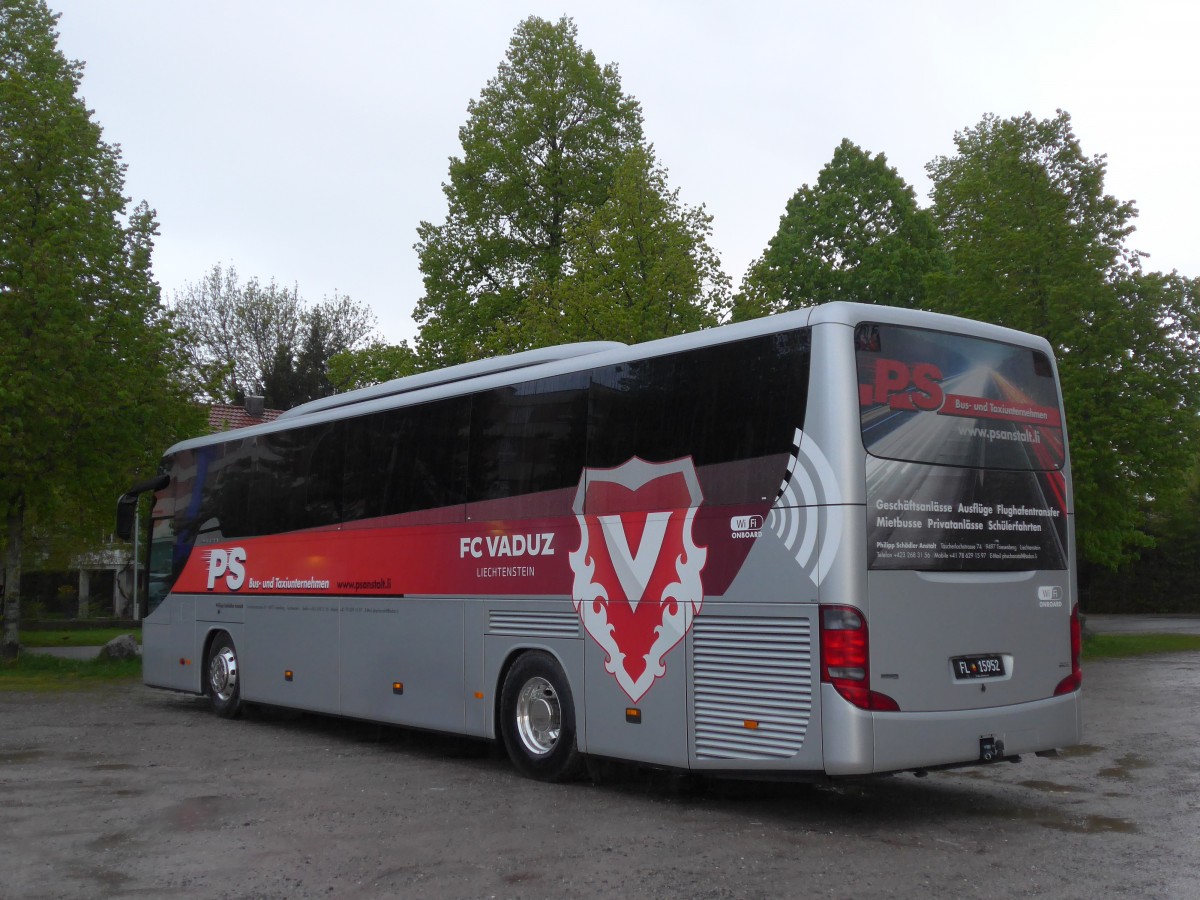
891	742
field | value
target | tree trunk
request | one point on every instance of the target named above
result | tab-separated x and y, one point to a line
10	645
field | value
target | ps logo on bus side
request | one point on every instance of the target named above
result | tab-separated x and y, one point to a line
230	563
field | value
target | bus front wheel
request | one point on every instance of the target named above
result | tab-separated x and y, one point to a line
538	719
223	686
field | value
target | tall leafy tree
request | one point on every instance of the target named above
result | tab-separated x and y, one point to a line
302	374
541	148
639	267
1166	577
236	329
857	234
254	338
87	353
372	364
1034	242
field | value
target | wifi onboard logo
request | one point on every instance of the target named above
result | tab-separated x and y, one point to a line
742	527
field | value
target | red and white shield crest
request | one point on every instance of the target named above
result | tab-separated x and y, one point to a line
637	581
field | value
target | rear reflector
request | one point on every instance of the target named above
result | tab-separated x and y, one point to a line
1073	681
845	658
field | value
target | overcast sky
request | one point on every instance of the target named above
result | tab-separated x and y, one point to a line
305	141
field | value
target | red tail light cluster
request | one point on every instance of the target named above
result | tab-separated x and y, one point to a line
845	658
1073	681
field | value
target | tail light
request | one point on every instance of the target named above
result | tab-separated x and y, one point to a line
845	658
1073	681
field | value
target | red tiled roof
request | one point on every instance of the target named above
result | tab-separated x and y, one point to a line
226	418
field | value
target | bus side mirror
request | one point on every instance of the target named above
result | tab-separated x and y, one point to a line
126	515
127	505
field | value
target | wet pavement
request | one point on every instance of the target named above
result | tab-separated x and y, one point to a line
131	792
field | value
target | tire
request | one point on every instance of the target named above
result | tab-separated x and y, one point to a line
537	719
222	682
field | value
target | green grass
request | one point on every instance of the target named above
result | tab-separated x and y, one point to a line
34	672
1112	646
97	637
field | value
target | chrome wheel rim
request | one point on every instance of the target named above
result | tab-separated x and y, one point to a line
223	674
539	716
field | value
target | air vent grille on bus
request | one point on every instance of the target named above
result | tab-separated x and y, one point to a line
752	684
533	624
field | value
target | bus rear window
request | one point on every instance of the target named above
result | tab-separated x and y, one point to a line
946	399
965	443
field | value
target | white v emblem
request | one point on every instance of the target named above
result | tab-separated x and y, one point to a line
634	570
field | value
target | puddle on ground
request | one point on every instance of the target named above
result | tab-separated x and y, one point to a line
520	877
1051	787
1091	825
1125	766
111	841
111	880
1075	823
1080	750
197	813
16	757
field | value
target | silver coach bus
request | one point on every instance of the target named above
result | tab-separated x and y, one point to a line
837	541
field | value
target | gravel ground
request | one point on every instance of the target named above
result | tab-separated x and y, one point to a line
131	792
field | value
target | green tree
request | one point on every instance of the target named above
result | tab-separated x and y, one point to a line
857	234
541	148
254	338
375	363
302	374
1164	578
1034	243
236	330
88	396
639	267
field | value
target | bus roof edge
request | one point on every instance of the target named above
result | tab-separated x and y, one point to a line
461	372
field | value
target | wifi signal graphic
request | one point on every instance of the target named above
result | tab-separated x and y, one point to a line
807	513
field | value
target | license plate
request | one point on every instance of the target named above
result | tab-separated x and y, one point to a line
966	668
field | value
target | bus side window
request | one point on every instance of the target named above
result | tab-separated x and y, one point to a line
323	477
684	404
423	457
528	438
406	460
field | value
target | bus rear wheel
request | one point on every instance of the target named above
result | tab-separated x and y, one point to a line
221	671
538	719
